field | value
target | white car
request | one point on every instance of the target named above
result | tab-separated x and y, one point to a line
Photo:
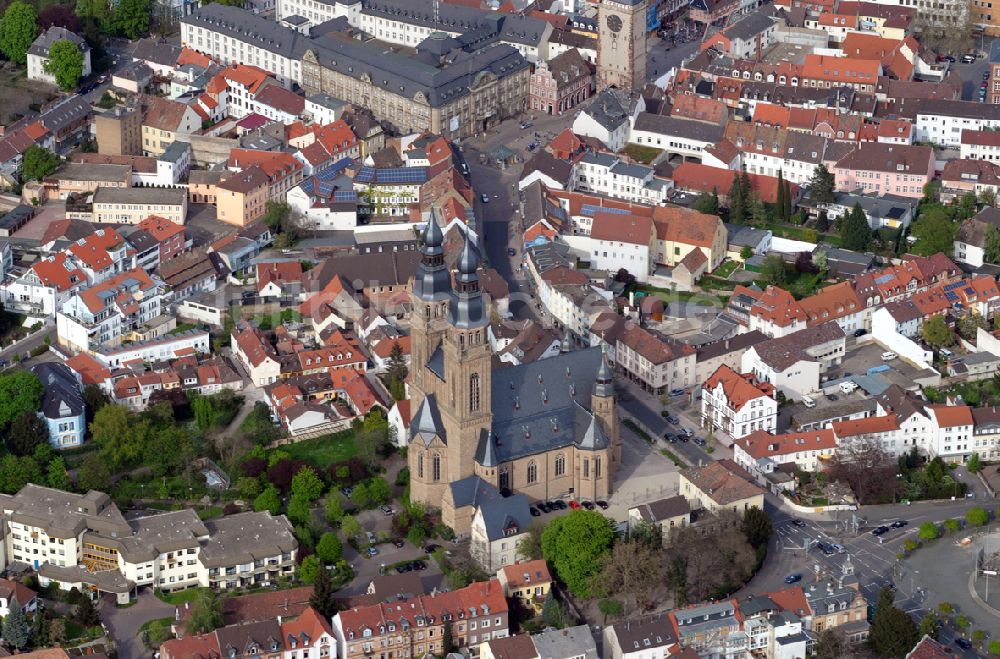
888	356
808	402
848	387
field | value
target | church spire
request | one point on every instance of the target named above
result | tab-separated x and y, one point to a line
604	385
432	282
466	310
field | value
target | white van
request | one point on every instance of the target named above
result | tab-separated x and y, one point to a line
808	402
849	386
946	353
888	356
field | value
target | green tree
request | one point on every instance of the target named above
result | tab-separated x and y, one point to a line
20	391
969	324
329	548
893	632
268	500
934	231
17	472
973	465
757	526
822	185
992	249
529	548
120	439
299	510
15	627
746	252
962	622
977	517
86	614
993	648
65	64
38	163
307	485
27	433
609	607
379	490
131	18
574	546
17	31
56	476
928	531
855	233
936	332
707	203
360	497
309	569
206	613
396	372
952	525
774	271
788	204
737	201
351	527
94	473
929	626
447	639
333	512
324	595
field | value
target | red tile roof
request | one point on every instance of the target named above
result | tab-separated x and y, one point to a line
950	416
615	227
760	444
703	178
683	225
160	228
866	426
739	389
58	272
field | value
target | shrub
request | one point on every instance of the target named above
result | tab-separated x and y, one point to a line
952	525
994	648
946	608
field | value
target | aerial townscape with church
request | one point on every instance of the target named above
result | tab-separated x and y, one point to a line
499	329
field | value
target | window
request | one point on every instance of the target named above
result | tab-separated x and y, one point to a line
532	472
560	465
420	466
436	467
474	392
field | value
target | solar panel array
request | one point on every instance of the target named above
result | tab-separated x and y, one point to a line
393	175
884	279
590	210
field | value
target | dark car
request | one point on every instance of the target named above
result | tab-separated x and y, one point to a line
534	511
880	530
793	578
899	523
511	251
544	507
346	491
698	440
398	542
963	643
670	437
798	522
671	419
589	505
430	549
418	565
603	505
860	332
832	397
402	569
560	504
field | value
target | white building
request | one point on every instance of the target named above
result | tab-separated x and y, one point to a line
38	53
683	137
164	348
43	288
793	363
944	122
621	240
497	527
736	404
951	429
609	118
760	452
607	175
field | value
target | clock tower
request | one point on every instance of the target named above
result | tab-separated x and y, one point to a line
621	44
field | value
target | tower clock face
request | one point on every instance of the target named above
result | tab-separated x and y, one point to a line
614	23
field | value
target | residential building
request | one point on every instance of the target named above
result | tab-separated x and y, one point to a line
839	303
970	241
711	629
793	363
880	168
11	591
737	404
133	205
951	430
649	638
609	117
256	354
163	121
242	198
528	582
774	311
622	241
720	485
761	453
47	284
657	364
945	121
119	131
83	540
677	136
476	613
608	175
679	231
567	643
498	525
81	179
62	405
746	38
38	53
664	514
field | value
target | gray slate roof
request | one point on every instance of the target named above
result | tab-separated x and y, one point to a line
665	125
749	26
610	109
458	18
249	28
501	514
41	45
62	397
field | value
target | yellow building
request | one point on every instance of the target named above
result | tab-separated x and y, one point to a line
242	198
133	205
719	486
679	231
528	582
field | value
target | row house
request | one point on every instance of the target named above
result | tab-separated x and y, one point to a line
882	431
980	145
680	231
306	636
256	355
389	192
747	38
881	168
45	286
610	176
774	311
944	122
839	303
107	313
774	151
562	83
762	452
737	404
897	282
907	316
825	71
416	626
282	170
794	362
102	255
621	240
658	365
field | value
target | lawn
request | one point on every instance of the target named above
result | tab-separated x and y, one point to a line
210	512
643	154
726	269
155	632
324	451
181	596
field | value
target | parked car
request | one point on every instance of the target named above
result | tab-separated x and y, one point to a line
402	569
798	522
398	542
888	356
808	401
670	437
418	565
560	504
899	523
793	578
387	510
534	511
589	505
603	505
986	75
671	419
968	58
687	432
544	507
860	332
832	397
676	392
699	441
373	551
963	643
371	537
574	505
511	251
431	548
849	386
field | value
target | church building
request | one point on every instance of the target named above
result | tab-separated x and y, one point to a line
546	429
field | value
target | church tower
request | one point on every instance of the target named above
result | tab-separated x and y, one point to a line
467	367
604	405
621	44
431	294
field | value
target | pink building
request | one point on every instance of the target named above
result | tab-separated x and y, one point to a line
562	83
880	168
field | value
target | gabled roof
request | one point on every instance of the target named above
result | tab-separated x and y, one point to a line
683	225
761	444
738	389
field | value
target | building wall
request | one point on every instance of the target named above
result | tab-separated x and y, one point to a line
119	134
118	213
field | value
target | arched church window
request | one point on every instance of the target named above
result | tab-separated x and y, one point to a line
436	467
560	465
532	472
420	466
474	392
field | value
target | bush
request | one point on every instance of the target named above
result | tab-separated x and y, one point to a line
952	525
962	622
946	608
994	648
929	531
977	517
911	545
403	477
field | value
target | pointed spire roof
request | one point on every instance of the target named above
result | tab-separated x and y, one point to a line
594	438
426	423
433	281
467	309
604	385
486	453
